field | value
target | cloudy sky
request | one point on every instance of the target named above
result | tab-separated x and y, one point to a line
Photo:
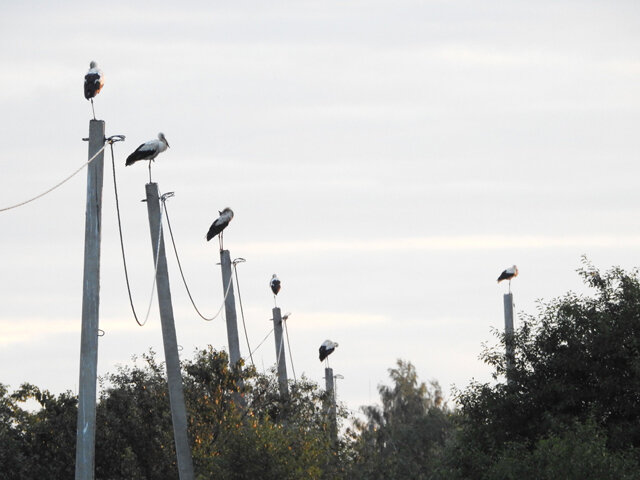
386	159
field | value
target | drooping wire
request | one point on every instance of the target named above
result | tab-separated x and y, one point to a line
244	325
57	185
184	281
286	330
111	141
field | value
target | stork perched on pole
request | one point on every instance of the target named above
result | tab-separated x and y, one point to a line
149	151
93	83
327	349
508	274
275	287
219	224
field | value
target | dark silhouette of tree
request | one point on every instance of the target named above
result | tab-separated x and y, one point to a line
402	437
577	368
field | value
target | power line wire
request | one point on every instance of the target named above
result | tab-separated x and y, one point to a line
184	281
286	330
55	186
124	259
244	325
279	353
263	340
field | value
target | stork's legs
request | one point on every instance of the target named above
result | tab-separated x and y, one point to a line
94	111
220	240
149	171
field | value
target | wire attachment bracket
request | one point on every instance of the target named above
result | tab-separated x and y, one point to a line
115	138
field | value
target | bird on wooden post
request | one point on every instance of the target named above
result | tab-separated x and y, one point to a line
219	224
149	151
93	83
275	286
327	349
508	274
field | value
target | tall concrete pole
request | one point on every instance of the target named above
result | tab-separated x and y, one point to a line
280	353
331	403
174	377
232	319
86	426
230	308
508	332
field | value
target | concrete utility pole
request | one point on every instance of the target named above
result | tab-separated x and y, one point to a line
86	426
331	403
230	308
232	318
174	377
280	356
508	332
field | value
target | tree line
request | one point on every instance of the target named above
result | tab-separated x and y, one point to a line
571	410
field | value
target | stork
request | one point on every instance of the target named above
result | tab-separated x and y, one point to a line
219	224
327	349
93	83
149	151
275	286
508	274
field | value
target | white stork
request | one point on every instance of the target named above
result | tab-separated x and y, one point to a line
327	349
93	83
219	224
274	283
149	151
508	274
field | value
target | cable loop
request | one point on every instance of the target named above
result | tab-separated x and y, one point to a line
124	259
184	281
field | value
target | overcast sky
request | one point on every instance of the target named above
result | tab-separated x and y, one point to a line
386	159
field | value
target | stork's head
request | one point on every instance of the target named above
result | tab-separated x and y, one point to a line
163	139
93	64
227	211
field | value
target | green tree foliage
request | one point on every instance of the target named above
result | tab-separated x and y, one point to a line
267	438
578	452
403	437
577	366
39	444
134	436
13	441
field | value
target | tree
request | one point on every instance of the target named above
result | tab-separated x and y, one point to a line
45	439
576	363
268	438
134	436
578	452
402	437
12	437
